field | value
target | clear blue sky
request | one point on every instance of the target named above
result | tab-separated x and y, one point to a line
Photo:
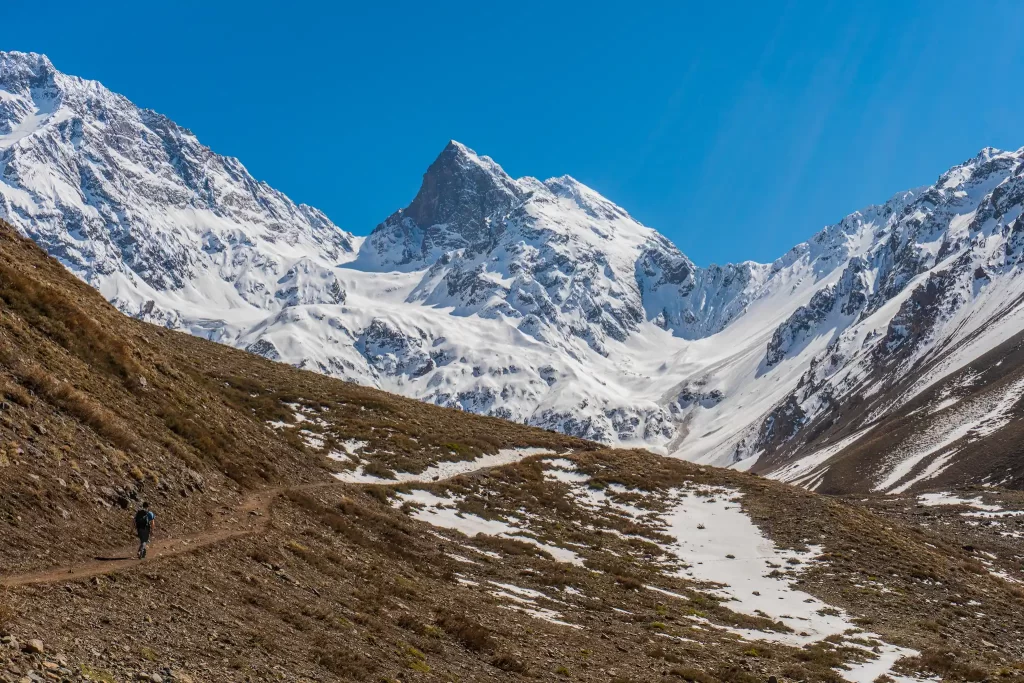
737	129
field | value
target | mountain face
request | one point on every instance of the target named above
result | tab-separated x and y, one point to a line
135	205
542	301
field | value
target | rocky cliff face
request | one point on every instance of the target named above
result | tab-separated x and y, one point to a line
537	301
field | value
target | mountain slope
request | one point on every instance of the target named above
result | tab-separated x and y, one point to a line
563	560
539	302
935	304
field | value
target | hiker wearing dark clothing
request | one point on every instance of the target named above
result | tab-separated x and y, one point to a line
145	522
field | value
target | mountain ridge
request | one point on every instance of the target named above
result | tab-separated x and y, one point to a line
534	301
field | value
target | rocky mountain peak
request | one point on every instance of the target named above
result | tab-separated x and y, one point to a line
463	190
459	205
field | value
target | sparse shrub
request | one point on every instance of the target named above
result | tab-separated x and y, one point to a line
257	600
411	623
974	567
261	555
734	674
472	635
16	393
346	664
378	469
419	665
296	547
507	662
947	664
510	546
629	583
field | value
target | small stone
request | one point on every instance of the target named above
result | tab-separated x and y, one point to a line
35	646
50	666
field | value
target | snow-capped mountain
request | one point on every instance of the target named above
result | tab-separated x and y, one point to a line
135	205
536	301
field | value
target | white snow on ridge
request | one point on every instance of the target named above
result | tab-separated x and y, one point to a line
445	469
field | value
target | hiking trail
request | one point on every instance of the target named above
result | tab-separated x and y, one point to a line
250	516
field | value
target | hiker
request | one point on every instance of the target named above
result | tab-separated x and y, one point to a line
145	522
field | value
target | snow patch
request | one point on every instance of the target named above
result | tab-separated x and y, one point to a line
444	470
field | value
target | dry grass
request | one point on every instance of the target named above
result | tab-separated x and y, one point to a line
72	401
948	664
345	663
510	664
47	308
692	675
464	629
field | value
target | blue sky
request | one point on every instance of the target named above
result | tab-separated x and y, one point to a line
737	129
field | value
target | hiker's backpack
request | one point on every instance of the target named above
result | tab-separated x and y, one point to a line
142	520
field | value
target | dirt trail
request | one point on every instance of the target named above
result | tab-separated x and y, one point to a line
251	515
